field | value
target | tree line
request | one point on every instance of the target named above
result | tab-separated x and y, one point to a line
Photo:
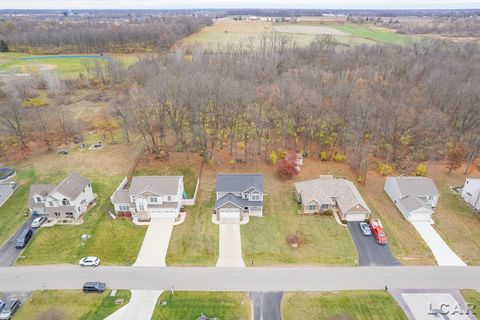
85	36
395	105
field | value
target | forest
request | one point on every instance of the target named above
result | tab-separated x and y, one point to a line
397	105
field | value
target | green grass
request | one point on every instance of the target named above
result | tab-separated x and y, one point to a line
195	241
115	242
190	305
472	298
264	240
73	305
376	34
351	305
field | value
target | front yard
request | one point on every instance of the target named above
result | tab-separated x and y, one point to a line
72	305
191	305
358	305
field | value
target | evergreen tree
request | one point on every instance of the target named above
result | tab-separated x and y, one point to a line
3	46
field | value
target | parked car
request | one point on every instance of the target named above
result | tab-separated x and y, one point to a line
365	229
37	222
9	309
94	287
378	233
23	238
2	304
89	262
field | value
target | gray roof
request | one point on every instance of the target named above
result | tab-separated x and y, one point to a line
155	185
72	186
40	189
60	209
416	186
121	196
325	188
238	201
239	182
163	205
413	203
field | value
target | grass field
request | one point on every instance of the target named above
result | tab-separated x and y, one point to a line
472	298
72	305
351	305
114	241
190	305
226	32
64	65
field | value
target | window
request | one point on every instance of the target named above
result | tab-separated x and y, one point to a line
69	215
141	207
430	198
312	207
65	202
153	199
50	203
38	199
124	207
255	197
325	206
169	198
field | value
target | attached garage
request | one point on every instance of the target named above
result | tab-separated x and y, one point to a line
422	214
229	215
413	209
356	216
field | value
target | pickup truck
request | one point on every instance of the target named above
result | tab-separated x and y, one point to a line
378	233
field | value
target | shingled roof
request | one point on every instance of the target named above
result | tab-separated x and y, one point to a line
239	182
155	185
72	186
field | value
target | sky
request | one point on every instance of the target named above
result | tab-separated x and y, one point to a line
185	4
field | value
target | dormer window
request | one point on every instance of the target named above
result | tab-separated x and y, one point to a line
430	198
50	203
38	199
169	198
65	202
255	197
153	199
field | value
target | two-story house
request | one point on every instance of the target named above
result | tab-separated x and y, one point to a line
471	192
415	197
68	200
238	195
150	197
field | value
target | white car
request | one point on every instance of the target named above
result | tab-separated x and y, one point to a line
37	222
89	262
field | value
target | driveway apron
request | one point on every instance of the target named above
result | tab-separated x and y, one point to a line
230	245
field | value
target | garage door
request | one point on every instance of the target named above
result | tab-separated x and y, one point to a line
356	216
163	213
230	215
420	216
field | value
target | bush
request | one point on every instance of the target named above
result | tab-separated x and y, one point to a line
277	155
324	156
339	157
328	212
384	169
287	169
34	102
421	170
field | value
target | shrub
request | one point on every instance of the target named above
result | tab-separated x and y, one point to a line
384	169
421	170
277	155
339	157
328	212
34	102
324	156
287	169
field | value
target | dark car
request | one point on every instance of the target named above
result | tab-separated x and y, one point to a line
9	309
94	287
23	238
365	229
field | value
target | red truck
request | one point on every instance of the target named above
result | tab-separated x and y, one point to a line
378	232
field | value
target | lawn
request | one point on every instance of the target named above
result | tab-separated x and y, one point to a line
372	33
190	305
472	298
65	65
351	305
72	305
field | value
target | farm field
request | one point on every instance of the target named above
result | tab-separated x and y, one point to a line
64	65
72	305
226	32
358	305
191	305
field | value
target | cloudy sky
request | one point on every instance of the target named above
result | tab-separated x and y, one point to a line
169	4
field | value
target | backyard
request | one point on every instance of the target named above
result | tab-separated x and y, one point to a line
71	305
191	305
354	305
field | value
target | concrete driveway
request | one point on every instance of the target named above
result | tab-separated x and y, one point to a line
370	253
425	304
266	305
141	306
230	243
441	251
8	252
155	244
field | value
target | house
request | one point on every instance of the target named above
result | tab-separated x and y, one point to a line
238	196
330	193
415	197
6	190
471	192
68	200
150	197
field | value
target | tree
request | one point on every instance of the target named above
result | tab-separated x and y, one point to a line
3	46
455	157
287	169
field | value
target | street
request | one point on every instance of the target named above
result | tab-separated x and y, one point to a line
239	279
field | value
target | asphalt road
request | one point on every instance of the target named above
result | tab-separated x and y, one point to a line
8	253
266	305
240	279
370	253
